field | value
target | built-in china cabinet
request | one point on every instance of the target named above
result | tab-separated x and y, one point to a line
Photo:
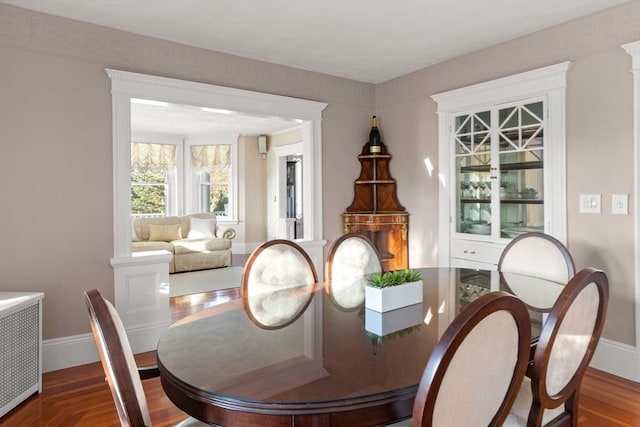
502	162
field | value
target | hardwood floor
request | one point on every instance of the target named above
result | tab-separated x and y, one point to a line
80	397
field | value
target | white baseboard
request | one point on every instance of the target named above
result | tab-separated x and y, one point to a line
67	352
617	359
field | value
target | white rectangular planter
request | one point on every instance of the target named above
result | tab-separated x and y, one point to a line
393	297
392	321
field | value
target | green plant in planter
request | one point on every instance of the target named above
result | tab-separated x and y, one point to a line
394	278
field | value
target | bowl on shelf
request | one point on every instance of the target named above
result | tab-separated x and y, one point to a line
528	193
511	193
480	229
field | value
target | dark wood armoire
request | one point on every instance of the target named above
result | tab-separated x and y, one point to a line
375	211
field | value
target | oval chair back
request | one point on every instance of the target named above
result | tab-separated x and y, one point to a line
538	255
474	373
566	346
352	259
278	282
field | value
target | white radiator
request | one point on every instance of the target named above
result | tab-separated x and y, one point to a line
20	347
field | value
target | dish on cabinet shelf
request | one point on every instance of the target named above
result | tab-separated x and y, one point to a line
473	215
528	196
507	224
484	229
515	232
528	193
479	232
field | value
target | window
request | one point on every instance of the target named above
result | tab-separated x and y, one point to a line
152	184
212	165
157	186
148	193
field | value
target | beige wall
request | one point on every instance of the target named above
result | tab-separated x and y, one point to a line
56	220
56	225
253	190
599	139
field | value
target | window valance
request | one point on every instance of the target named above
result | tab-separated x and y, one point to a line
211	158
150	157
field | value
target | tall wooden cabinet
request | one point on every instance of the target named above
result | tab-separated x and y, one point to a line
376	212
502	163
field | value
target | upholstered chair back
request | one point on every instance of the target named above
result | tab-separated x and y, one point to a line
538	255
277	283
117	360
475	371
565	348
352	259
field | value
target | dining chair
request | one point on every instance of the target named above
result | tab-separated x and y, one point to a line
277	284
565	348
351	260
538	255
122	374
475	371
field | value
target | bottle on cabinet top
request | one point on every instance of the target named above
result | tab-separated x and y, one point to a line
375	142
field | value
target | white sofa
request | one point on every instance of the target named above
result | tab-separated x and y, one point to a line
195	240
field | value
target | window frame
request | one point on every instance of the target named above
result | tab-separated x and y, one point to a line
192	179
175	200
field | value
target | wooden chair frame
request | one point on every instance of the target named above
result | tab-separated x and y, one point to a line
451	341
114	361
114	353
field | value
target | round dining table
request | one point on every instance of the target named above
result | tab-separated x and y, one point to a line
316	356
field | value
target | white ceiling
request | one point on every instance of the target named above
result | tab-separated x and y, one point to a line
186	120
364	40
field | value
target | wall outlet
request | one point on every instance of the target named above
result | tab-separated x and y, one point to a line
620	204
590	203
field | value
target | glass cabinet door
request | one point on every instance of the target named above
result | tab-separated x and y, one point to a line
521	172
499	172
473	154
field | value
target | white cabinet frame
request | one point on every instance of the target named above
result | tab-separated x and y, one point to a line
548	82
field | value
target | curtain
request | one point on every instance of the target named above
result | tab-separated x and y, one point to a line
149	157
211	158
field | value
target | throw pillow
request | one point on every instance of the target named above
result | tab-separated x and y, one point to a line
134	235
165	233
200	228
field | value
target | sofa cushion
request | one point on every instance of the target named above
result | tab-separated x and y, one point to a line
201	227
188	246
165	233
199	261
146	245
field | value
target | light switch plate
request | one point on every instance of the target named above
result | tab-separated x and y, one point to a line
620	204
590	203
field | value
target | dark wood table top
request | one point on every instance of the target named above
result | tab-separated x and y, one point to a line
333	363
